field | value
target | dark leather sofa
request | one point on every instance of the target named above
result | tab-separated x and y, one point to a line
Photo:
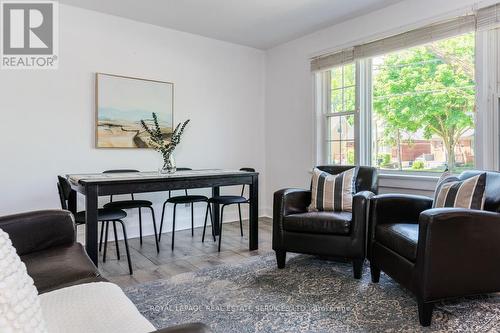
333	234
438	253
46	242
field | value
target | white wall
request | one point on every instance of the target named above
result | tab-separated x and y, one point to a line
289	94
47	125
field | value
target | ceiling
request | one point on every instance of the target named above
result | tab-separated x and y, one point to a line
256	23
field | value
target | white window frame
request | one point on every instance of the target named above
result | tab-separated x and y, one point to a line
487	121
325	113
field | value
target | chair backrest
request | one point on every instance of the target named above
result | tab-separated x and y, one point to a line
64	189
243	187
366	180
492	191
120	171
185	191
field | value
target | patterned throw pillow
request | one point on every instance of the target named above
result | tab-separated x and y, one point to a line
20	310
332	192
453	192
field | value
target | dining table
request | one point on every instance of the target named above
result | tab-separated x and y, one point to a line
94	185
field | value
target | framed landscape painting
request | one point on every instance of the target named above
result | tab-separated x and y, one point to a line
122	102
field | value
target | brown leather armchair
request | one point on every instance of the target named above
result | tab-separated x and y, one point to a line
335	234
438	253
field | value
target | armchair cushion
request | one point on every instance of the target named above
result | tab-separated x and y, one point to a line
336	223
402	238
59	266
332	192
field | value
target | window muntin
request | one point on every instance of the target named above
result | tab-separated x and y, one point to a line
341	140
343	88
340	117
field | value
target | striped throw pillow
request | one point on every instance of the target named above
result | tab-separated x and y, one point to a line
332	192
467	193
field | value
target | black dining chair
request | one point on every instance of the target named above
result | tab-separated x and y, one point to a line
104	215
177	200
227	200
133	204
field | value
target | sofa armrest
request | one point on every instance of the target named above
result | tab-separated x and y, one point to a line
39	230
458	253
187	328
287	201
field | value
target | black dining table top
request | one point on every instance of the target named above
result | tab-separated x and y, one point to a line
127	177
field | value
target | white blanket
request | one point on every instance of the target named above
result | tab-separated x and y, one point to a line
93	307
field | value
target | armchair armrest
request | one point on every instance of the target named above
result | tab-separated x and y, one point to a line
291	201
187	328
39	230
286	202
360	210
458	253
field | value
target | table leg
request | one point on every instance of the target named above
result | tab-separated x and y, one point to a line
215	210
91	222
254	214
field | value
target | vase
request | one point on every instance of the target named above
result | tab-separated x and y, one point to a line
167	165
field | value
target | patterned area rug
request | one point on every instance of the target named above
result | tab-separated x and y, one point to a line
309	295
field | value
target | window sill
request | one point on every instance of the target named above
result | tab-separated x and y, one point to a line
412	182
401	176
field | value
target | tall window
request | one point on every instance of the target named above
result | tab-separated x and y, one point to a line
423	107
418	106
340	117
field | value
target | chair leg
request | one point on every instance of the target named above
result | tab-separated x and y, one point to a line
140	225
357	267
425	313
154	228
116	241
126	246
375	273
241	222
220	224
205	224
173	227
100	239
212	221
192	219
281	258
162	215
106	225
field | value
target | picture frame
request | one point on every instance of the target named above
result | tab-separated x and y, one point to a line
121	102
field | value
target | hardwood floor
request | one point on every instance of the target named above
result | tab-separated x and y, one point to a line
190	253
